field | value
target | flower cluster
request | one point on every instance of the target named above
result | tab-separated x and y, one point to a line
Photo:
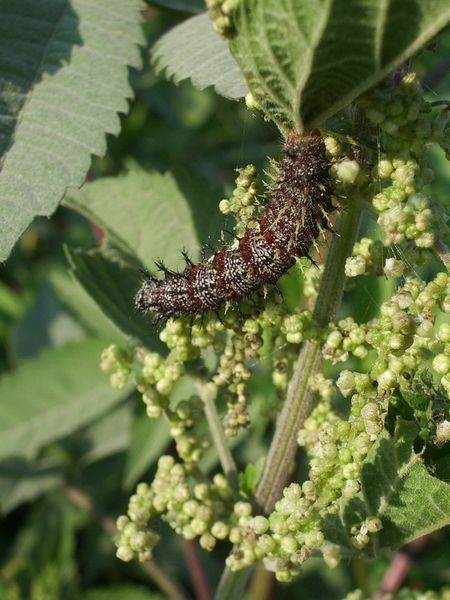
336	448
192	509
220	12
404	337
408	124
243	204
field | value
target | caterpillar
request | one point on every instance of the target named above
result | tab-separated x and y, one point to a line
289	225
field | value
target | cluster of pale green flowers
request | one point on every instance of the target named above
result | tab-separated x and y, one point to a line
193	509
405	337
219	356
220	12
336	448
407	126
243	204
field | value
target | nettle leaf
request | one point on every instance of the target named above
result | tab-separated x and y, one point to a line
52	396
107	435
23	481
74	297
111	277
154	214
190	6
308	60
145	216
64	73
193	50
249	478
149	439
397	488
44	325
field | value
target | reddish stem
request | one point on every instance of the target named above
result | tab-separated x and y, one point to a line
199	581
400	566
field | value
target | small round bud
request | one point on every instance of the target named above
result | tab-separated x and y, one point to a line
442	433
354	266
373	524
393	267
347	171
441	364
251	103
259	524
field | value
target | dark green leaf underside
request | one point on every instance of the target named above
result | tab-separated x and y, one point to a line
397	488
304	61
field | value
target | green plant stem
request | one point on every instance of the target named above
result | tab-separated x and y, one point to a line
218	436
359	569
299	399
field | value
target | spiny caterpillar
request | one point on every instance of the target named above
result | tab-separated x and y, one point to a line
290	223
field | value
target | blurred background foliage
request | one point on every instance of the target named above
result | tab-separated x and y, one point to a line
52	545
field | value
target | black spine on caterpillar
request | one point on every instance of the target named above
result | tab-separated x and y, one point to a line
290	223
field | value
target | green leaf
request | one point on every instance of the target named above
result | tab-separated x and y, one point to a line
148	441
190	6
64	75
398	489
145	216
249	479
304	61
80	304
154	215
44	325
111	277
193	50
43	549
53	395
107	435
121	592
23	481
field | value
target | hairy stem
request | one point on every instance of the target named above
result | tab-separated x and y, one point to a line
218	436
155	573
299	399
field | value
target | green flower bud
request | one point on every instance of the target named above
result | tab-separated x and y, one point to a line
443	333
441	364
384	169
354	266
220	530
347	171
393	267
124	553
207	542
251	103
387	379
332	146
373	524
259	524
346	382
442	433
288	544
